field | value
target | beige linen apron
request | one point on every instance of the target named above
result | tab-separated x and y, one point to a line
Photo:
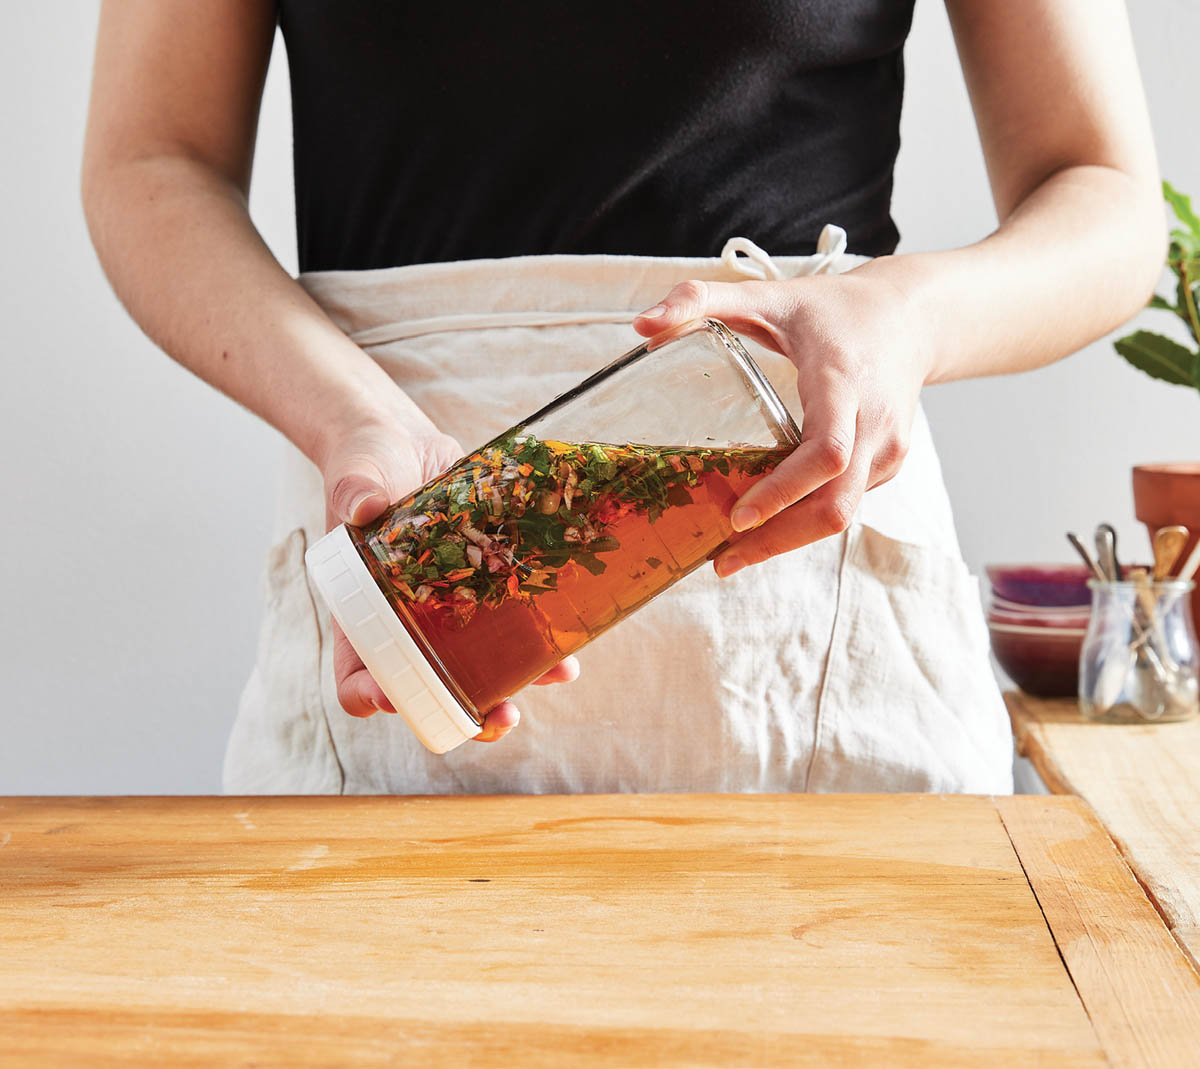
859	663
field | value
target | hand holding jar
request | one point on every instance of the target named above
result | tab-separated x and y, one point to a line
490	575
861	363
371	464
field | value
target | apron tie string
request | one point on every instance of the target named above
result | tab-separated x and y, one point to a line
756	263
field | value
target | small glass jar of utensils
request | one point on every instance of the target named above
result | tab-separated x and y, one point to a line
1139	662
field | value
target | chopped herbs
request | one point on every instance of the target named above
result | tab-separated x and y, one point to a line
513	518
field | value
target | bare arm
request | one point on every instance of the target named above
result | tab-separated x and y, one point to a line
1062	119
1070	155
166	175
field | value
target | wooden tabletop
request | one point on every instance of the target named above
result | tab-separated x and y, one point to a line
1143	781
598	930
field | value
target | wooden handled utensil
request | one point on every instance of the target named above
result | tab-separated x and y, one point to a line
1151	626
1145	595
1168	545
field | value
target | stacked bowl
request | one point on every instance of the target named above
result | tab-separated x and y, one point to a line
1037	620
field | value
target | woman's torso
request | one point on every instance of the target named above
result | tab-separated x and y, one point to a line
426	135
440	132
857	663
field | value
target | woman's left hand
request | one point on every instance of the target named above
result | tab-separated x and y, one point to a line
860	366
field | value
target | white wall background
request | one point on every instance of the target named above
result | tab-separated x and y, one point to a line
137	501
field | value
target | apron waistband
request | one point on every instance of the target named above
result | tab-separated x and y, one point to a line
413	328
379	306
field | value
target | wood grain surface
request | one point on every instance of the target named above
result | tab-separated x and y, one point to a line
1143	781
1141	993
598	930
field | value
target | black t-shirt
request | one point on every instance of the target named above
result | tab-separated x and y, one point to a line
450	131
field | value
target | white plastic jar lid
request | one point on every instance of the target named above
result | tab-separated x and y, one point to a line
387	649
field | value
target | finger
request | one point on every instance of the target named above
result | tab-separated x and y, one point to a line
357	691
826	512
823	455
360	695
357	492
566	671
751	308
499	722
889	458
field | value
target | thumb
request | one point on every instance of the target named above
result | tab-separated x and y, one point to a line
749	307
357	492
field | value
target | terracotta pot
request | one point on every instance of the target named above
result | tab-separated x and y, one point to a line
1164	494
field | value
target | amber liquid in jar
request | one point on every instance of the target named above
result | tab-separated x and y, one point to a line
527	549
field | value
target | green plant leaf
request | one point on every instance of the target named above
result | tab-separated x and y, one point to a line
1166	306
1158	357
1183	246
1181	205
1187	294
1196	372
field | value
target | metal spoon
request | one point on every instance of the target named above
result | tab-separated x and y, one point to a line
1106	551
1081	549
1113	673
1138	660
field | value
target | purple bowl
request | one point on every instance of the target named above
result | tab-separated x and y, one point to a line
1041	584
1042	661
1059	621
1003	605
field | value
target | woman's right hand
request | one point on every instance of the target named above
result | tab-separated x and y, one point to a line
365	470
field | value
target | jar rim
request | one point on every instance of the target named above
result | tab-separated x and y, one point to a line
1165	586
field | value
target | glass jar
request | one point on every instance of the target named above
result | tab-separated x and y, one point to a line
535	543
1139	659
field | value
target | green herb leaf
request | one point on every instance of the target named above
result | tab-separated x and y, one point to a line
512	479
591	562
678	495
1181	204
1158	357
458	494
449	555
